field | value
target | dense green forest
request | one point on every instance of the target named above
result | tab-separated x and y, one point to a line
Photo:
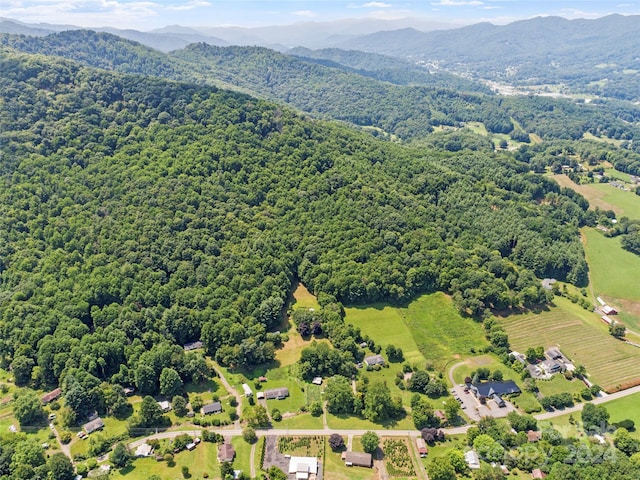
405	111
139	213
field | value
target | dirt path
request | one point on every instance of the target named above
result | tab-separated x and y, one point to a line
64	448
324	416
451	370
252	466
232	391
422	473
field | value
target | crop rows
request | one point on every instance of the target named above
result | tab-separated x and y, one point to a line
609	362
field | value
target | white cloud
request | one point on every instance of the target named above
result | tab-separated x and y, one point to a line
86	13
304	13
189	5
458	3
377	5
370	5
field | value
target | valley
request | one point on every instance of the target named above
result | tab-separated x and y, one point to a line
228	261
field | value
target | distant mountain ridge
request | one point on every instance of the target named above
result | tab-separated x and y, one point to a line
543	50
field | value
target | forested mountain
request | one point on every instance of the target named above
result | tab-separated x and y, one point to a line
164	40
530	52
404	111
385	68
139	213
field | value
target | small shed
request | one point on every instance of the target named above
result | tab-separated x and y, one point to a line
537	473
422	447
128	391
164	405
247	390
317	381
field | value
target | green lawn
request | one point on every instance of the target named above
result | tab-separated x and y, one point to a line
351	422
625	408
559	384
303	420
582	336
304	299
243	455
199	461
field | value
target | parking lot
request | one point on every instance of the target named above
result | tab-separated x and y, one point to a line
474	410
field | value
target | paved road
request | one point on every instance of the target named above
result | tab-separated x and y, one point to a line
596	401
387	433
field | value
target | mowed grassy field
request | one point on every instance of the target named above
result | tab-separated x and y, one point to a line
429	329
605	197
583	337
614	271
625	408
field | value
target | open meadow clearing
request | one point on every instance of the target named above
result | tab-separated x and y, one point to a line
605	197
442	335
427	329
615	272
581	336
385	325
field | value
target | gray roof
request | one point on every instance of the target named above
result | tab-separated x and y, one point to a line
360	459
276	392
489	389
215	407
374	360
226	452
93	425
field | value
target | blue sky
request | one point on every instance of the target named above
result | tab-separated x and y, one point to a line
148	14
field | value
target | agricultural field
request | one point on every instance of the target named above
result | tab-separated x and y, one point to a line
605	197
385	325
302	446
397	457
582	337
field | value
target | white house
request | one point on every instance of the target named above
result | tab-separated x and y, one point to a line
472	459
247	390
303	467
